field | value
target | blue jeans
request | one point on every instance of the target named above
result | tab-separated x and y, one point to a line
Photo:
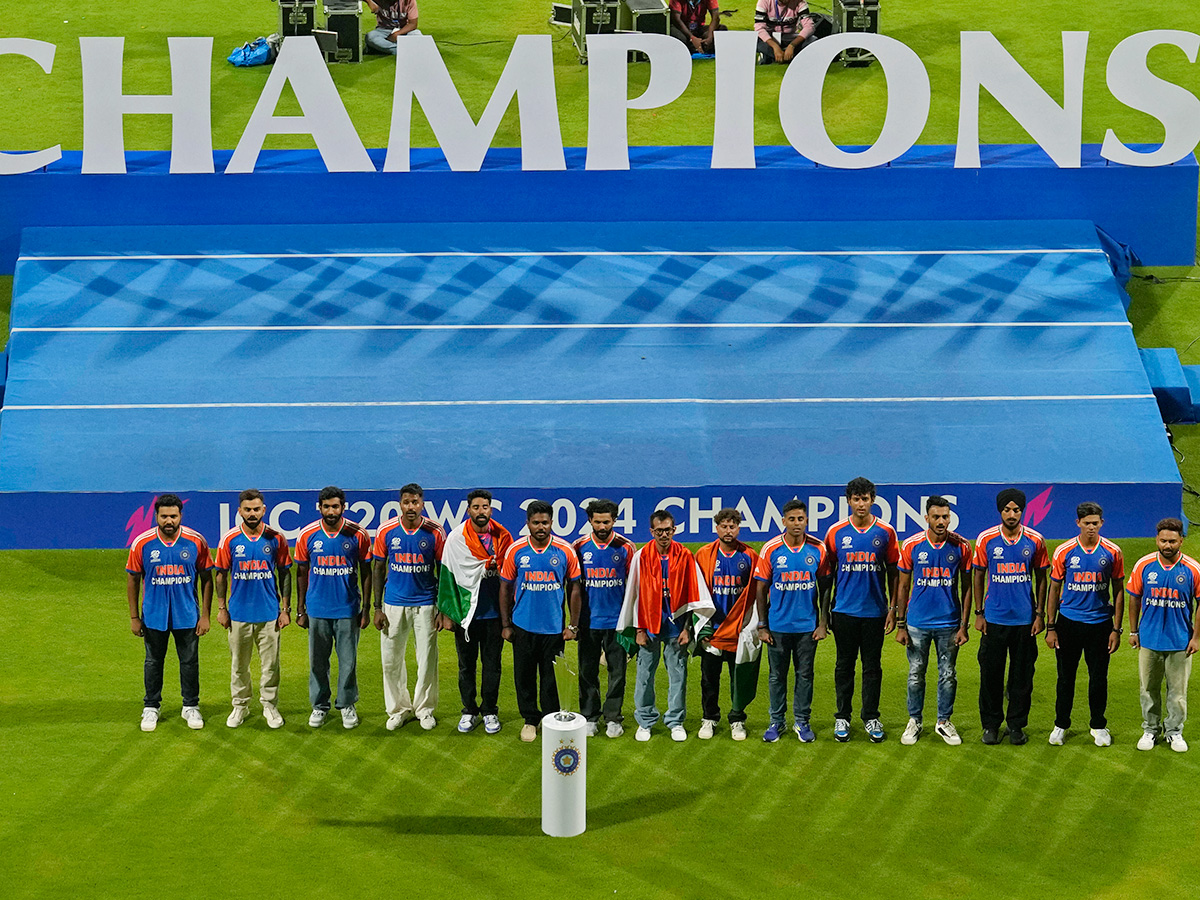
645	711
377	41
323	636
918	660
791	648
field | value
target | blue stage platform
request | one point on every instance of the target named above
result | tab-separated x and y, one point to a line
687	363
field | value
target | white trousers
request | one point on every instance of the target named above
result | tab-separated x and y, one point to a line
393	643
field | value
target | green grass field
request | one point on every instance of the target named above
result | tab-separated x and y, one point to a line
91	807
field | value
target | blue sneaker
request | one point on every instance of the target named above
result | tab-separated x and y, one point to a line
804	732
874	729
841	730
771	735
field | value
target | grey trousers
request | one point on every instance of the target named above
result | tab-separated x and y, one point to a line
1153	666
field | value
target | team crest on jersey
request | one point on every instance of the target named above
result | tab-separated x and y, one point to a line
554	560
183	554
616	556
952	558
1152	577
922	556
847	541
1179	578
1104	560
268	549
424	544
810	560
153	556
878	542
1025	551
346	546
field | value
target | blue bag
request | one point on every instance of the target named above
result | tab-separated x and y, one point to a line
257	52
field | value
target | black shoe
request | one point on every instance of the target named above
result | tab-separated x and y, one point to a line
1017	736
990	736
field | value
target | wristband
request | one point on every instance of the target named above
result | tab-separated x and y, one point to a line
1050	626
574	629
1133	634
979	612
1118	631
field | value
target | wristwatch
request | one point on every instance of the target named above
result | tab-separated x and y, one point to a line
574	629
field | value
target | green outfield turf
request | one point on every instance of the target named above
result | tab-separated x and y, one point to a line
91	807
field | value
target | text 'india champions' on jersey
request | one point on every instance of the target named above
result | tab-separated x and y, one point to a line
333	561
792	575
252	562
170	600
539	579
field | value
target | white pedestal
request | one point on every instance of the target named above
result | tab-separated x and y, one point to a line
564	774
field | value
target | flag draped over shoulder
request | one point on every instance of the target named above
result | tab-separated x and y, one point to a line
644	591
738	633
464	562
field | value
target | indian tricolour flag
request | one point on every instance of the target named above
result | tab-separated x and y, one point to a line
644	592
464	566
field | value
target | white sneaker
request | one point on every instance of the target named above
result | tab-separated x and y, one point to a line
912	731
1101	737
428	722
350	717
678	734
707	726
1057	736
1146	741
642	734
237	716
149	718
1177	743
491	724
614	729
528	733
593	729
468	722
398	720
737	731
948	733
191	715
317	719
272	715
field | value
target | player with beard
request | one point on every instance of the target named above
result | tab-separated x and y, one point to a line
169	560
254	569
604	560
333	555
1164	626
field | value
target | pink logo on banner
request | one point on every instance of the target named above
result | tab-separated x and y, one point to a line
1038	508
142	520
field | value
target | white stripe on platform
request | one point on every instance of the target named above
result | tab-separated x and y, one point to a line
611	326
1046	398
520	254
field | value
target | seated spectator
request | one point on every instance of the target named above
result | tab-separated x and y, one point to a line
688	23
784	27
393	18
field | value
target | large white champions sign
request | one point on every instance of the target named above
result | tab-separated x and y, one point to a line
422	77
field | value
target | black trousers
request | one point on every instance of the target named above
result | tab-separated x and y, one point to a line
1090	641
593	642
1016	646
858	637
711	667
484	641
533	662
187	648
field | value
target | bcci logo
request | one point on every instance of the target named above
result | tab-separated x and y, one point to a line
951	558
742	566
554	560
346	546
878	542
1179	578
566	759
268	549
424	544
1104	560
616	556
1025	552
183	554
810	560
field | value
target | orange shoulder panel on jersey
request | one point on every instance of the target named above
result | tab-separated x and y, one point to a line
1058	564
302	540
764	569
134	562
979	558
1134	583
1118	569
203	557
1194	567
508	566
906	550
